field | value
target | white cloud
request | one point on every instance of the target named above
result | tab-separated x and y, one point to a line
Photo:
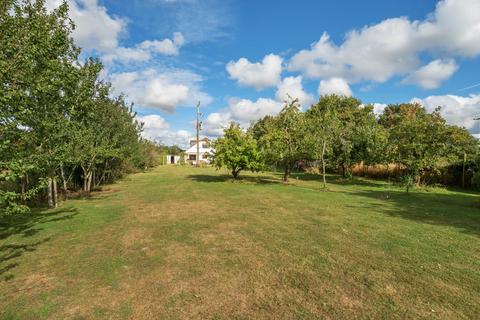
95	28
292	86
157	129
164	91
259	75
144	51
127	55
431	75
393	46
245	110
165	46
453	28
215	122
334	86
456	110
242	111
378	108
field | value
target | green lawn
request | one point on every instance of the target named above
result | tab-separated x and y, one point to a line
187	243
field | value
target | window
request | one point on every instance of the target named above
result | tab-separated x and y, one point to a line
192	157
205	145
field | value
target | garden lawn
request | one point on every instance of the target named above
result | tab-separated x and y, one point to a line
186	243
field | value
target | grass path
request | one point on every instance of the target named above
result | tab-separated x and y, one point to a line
186	243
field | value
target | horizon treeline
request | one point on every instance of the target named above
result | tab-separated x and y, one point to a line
61	127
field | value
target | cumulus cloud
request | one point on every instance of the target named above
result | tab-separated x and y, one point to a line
260	74
292	86
165	46
144	51
157	129
334	86
161	90
95	28
457	110
242	111
431	75
393	46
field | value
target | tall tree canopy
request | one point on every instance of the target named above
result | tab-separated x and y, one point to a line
283	138
58	120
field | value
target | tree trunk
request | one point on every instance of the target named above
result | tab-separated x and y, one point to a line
89	182
343	170
463	169
286	174
235	173
55	193
323	164
64	182
51	205
87	179
418	180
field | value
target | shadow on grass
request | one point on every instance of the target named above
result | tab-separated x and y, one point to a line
225	178
25	226
461	211
335	179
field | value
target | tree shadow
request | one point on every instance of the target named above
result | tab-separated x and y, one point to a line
335	179
26	226
458	210
225	178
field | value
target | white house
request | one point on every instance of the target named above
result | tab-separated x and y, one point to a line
172	159
205	151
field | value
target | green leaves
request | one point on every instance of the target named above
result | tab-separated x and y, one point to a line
54	111
236	151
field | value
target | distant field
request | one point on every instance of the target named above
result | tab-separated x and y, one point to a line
187	243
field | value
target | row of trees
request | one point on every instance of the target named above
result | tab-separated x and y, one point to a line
61	128
339	132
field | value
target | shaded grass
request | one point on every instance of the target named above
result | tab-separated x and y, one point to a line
186	243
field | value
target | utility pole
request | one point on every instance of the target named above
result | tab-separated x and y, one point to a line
197	161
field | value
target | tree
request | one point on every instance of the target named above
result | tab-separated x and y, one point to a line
324	125
283	141
38	59
236	151
419	140
56	115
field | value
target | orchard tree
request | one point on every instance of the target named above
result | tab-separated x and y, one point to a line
56	115
419	139
37	63
323	127
283	142
236	151
358	135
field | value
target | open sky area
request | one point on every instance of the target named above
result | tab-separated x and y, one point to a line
242	58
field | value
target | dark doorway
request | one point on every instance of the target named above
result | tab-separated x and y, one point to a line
172	159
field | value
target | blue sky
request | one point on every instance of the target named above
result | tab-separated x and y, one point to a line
241	58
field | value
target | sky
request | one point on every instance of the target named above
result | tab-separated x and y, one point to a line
243	58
